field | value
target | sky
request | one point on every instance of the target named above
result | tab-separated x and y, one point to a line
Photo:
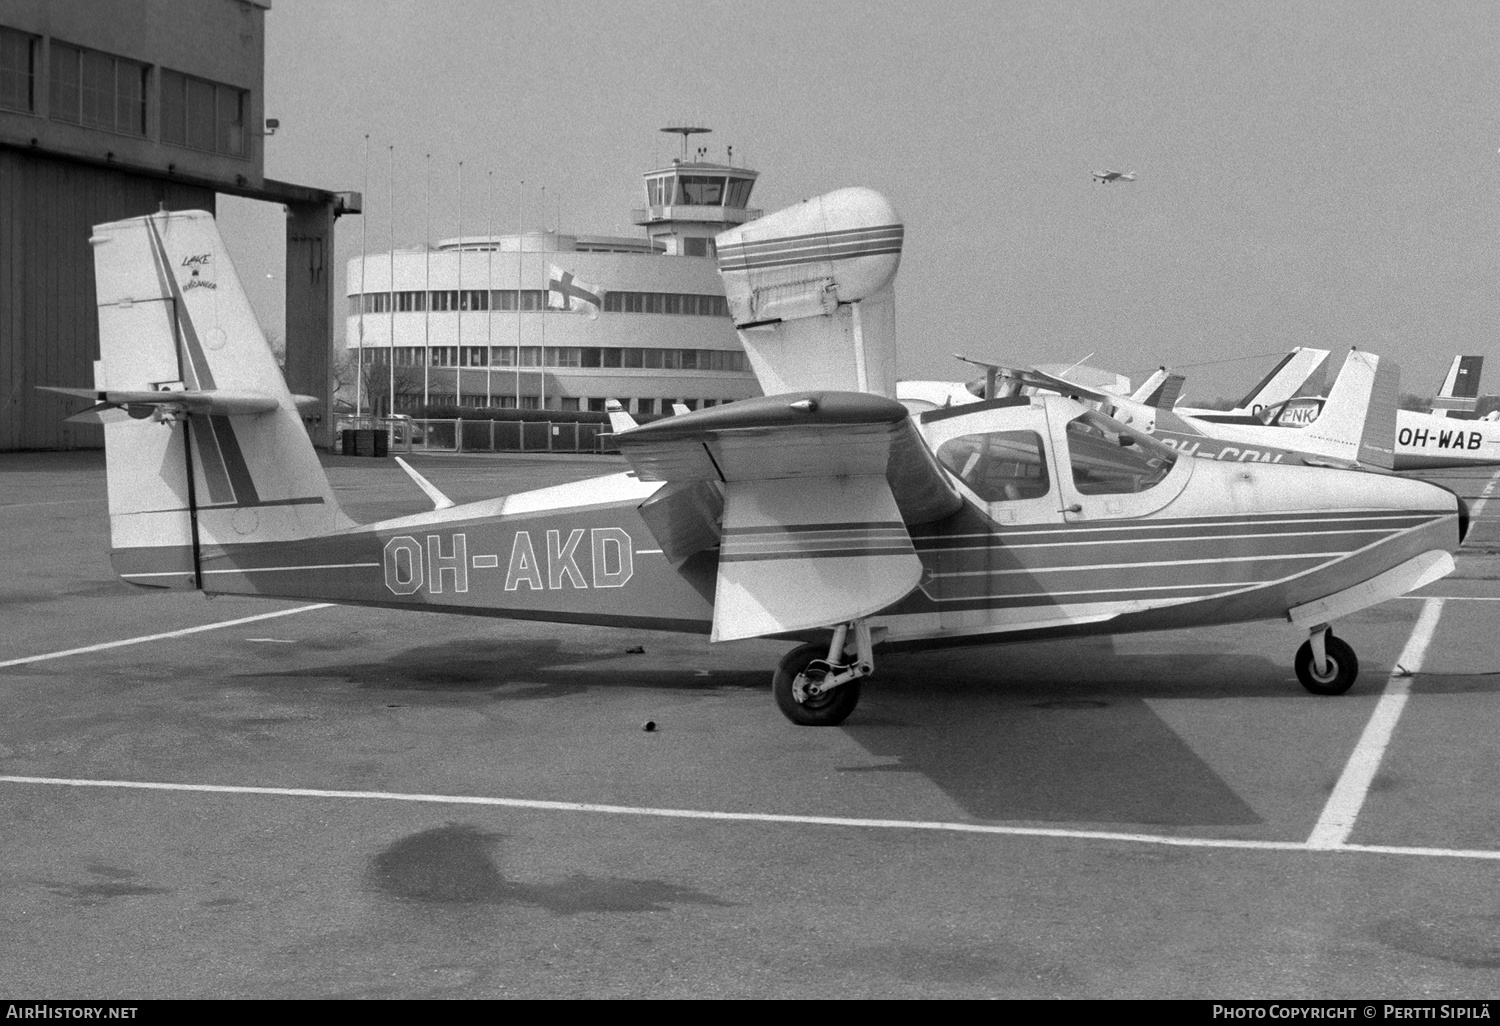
1309	173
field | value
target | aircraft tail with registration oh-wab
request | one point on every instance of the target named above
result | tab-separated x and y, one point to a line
822	512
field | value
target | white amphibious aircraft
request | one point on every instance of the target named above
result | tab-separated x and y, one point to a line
821	512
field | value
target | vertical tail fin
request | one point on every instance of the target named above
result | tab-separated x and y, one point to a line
182	360
1460	391
1160	390
1358	421
1283	381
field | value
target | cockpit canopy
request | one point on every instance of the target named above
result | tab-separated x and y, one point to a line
1004	456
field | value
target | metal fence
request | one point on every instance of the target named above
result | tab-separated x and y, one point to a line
408	435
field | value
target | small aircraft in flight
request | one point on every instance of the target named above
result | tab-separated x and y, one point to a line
821	512
1105	177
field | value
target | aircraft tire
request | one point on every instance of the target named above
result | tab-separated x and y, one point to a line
824	711
1342	672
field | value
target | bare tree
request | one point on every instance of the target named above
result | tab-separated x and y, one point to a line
375	385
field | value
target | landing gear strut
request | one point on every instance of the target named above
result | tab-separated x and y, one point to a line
816	685
1326	665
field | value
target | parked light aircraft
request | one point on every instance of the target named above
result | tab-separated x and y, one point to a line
1105	177
1460	391
1354	433
1281	383
820	512
1419	441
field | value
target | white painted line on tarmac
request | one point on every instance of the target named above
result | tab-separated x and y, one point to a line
1337	821
55	502
1484	497
761	817
164	635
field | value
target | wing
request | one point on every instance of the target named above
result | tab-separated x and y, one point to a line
808	496
208	401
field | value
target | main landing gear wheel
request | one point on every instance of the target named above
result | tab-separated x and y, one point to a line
826	710
1338	677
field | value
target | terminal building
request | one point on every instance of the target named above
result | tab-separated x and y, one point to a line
112	109
551	321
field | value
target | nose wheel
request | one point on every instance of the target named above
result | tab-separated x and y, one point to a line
1326	665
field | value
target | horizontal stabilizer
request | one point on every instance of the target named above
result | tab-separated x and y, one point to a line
619	418
218	402
809	553
797	436
439	500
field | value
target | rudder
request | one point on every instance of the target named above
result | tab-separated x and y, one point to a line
175	322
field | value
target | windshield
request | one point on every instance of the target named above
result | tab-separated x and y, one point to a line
1110	459
998	465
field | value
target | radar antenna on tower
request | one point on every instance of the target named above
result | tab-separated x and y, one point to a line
686	131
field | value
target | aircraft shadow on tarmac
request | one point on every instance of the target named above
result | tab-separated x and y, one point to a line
1060	731
506	670
1052	732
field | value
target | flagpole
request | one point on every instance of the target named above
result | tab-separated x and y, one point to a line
520	204
359	357
546	299
458	365
489	298
426	282
390	362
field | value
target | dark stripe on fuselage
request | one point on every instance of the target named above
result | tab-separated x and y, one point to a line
982	530
787	529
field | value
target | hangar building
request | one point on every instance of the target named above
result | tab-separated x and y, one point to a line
111	109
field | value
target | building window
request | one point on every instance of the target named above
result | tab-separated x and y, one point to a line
530	402
474	299
203	115
645	406
597	405
739	193
444	356
98	91
564	356
409	302
475	356
700	190
445	301
666	302
570	405
17	70
377	302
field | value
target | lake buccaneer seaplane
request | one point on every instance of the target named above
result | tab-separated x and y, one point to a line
822	512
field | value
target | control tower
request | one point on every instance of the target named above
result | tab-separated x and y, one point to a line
691	201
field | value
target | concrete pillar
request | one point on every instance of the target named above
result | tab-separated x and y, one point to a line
309	312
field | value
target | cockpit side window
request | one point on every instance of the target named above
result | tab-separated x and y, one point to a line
998	465
1109	459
